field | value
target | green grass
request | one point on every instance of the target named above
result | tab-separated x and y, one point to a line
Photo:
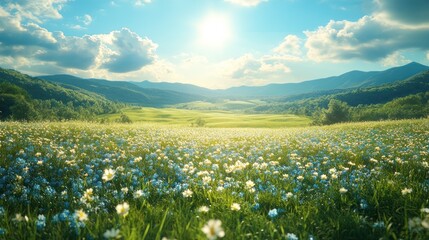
223	105
213	118
347	181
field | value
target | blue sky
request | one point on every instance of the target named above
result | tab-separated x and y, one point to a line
211	43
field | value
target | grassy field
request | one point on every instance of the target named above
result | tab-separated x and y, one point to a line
76	180
213	119
224	105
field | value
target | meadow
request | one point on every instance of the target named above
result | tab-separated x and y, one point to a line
78	180
212	118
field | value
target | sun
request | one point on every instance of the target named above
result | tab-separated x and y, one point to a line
214	30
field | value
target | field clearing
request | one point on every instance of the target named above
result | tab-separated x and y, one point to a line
213	119
75	180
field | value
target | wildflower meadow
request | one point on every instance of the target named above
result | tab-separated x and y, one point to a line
77	180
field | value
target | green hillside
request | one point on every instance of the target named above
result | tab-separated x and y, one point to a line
26	98
389	101
124	91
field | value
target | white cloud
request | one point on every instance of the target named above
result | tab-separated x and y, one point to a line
250	70
395	25
142	2
119	51
37	11
369	38
86	19
291	45
394	59
127	51
73	52
410	12
246	3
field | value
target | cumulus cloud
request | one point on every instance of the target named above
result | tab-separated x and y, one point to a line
127	51
73	52
13	34
407	12
246	3
22	38
395	25
291	45
394	59
253	70
37	11
369	38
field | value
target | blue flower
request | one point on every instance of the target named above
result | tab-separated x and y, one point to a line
40	222
273	213
291	236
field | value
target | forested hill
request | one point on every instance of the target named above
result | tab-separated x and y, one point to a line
27	98
124	91
408	98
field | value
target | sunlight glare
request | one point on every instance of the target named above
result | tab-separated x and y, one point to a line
214	30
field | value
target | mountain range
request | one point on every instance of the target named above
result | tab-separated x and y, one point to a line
353	79
70	97
160	94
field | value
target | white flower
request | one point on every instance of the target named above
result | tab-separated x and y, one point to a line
203	209
343	190
87	196
138	194
19	218
424	210
235	207
112	233
187	193
425	222
123	209
81	215
250	184
291	236
406	191
109	174
213	229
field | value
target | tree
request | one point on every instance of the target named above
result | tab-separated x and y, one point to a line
337	112
124	119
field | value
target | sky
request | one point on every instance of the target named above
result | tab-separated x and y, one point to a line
211	43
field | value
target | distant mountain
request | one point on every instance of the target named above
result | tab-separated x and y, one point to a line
353	79
365	96
164	93
178	87
124	91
